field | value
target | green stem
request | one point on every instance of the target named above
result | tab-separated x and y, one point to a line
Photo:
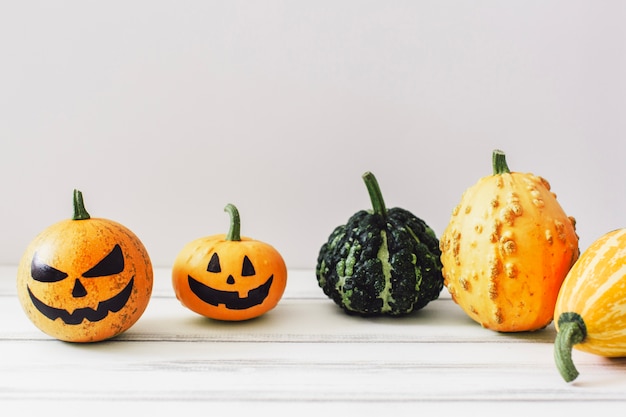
572	330
80	213
498	161
375	194
234	233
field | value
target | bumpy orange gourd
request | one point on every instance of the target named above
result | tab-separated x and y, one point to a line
507	249
84	279
228	276
590	312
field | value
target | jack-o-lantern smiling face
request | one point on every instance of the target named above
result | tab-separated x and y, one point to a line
229	297
229	277
85	279
98	309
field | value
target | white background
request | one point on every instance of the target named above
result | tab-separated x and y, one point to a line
162	112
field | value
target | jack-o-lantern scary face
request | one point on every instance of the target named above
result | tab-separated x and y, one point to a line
85	279
229	277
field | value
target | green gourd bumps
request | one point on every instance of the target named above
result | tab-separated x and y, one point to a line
381	262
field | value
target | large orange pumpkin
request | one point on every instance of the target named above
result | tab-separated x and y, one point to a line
84	279
507	249
228	276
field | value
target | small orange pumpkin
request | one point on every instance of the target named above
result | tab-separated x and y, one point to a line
507	249
84	279
229	277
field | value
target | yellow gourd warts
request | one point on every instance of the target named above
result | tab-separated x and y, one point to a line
509	232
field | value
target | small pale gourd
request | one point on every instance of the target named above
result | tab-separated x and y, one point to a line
590	312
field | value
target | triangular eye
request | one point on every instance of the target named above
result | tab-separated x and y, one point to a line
45	273
247	269
112	264
214	264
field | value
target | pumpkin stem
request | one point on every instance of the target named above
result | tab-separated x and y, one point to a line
498	161
572	330
234	233
80	213
376	195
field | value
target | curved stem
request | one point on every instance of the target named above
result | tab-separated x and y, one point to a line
80	213
498	161
572	330
376	196
234	233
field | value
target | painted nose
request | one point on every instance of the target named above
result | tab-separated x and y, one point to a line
230	280
79	290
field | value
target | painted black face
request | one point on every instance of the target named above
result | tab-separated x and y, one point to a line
230	299
112	264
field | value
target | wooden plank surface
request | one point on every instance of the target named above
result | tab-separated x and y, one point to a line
306	354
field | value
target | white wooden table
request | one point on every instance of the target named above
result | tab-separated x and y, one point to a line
305	355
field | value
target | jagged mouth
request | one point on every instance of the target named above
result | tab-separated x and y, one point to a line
113	304
230	299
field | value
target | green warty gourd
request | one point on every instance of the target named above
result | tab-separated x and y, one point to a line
381	262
